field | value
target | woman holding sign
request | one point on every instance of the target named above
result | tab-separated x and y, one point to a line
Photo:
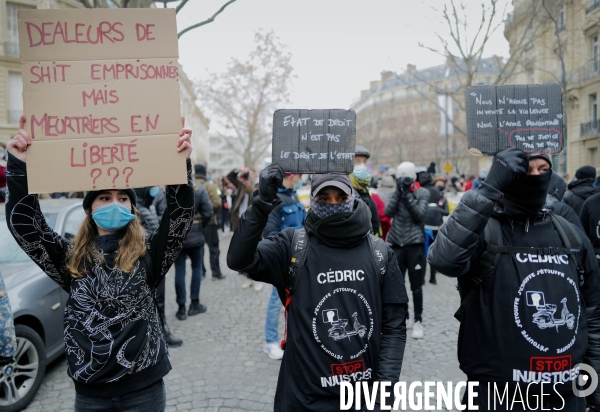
115	347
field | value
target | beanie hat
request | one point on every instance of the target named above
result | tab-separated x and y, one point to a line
406	169
361	151
93	194
584	172
540	156
200	169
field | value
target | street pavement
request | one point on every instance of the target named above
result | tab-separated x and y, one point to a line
221	366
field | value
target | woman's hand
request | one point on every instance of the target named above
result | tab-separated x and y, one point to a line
18	145
185	140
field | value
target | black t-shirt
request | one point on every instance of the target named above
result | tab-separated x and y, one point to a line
590	219
334	326
528	323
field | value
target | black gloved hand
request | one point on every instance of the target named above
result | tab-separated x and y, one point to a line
271	179
507	166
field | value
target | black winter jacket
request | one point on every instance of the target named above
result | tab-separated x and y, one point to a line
114	341
299	387
456	253
579	191
408	212
366	197
203	211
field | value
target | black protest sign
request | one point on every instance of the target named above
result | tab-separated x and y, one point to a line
528	117
314	141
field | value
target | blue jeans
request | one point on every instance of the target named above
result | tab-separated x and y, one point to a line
152	398
196	255
272	322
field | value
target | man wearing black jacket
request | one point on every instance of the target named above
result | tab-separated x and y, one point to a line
361	180
581	188
338	282
535	317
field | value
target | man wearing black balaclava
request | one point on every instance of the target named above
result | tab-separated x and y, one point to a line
533	314
343	311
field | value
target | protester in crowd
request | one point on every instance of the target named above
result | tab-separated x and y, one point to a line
225	201
440	183
387	187
290	213
431	169
194	249
515	264
336	242
455	185
469	183
211	230
361	179
554	203
149	220
596	183
407	208
590	220
384	220
581	188
482	175
115	348
437	208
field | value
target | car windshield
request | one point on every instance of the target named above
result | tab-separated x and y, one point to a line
11	252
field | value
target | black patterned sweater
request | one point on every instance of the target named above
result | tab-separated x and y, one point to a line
113	337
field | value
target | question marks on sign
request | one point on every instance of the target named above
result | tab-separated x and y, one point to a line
130	170
95	176
114	173
117	175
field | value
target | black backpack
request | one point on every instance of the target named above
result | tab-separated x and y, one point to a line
489	259
298	260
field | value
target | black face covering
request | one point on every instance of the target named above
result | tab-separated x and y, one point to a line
526	196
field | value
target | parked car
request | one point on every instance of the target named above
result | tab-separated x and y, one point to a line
37	304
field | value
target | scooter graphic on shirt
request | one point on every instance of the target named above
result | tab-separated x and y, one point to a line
544	317
338	327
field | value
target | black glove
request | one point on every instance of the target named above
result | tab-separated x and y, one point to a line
507	166
271	179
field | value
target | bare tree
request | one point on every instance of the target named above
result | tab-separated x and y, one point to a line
131	4
241	100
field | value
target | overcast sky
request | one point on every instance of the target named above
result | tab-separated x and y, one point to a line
338	46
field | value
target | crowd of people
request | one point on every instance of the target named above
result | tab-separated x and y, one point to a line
520	240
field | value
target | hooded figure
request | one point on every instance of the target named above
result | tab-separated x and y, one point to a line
554	203
581	188
509	313
340	304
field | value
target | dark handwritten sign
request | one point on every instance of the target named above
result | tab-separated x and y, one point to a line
314	141
528	117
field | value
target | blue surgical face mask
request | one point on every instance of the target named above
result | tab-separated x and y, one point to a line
298	185
324	210
112	216
361	172
154	191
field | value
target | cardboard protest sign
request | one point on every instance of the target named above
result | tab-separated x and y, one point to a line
528	117
314	141
101	98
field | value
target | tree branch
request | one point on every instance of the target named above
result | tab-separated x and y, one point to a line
180	6
202	23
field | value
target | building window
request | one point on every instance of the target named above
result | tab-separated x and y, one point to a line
486	80
593	107
12	46
409	93
15	97
422	107
454	85
595	52
423	90
529	39
562	17
593	156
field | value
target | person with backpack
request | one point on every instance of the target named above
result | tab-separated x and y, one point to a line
194	249
529	286
344	296
289	213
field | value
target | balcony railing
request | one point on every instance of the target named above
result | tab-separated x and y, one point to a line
593	5
585	72
12	49
14	116
590	128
